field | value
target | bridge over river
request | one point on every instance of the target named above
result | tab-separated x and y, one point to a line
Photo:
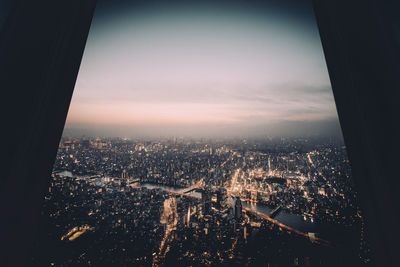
257	209
291	222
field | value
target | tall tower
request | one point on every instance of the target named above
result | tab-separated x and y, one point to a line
238	208
221	197
269	166
206	201
188	217
269	163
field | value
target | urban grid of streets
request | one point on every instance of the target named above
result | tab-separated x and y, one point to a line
182	202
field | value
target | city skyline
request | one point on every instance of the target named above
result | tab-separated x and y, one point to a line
201	133
203	69
282	202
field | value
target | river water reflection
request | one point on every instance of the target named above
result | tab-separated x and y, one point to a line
293	220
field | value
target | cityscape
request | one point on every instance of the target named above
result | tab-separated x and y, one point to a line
201	202
202	133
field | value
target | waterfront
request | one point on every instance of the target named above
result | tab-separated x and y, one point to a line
295	221
164	202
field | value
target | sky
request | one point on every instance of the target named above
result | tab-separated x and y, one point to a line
203	69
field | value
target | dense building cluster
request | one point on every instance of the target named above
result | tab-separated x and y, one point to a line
180	202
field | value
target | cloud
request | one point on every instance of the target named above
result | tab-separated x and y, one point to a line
196	70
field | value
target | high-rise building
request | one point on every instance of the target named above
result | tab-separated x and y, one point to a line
269	164
188	217
169	215
206	201
238	208
221	197
291	165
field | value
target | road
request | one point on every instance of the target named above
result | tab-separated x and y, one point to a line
261	215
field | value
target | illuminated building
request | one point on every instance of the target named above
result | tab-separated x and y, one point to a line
291	165
206	201
269	165
221	197
188	217
238	208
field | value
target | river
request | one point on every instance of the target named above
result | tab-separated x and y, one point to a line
292	220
